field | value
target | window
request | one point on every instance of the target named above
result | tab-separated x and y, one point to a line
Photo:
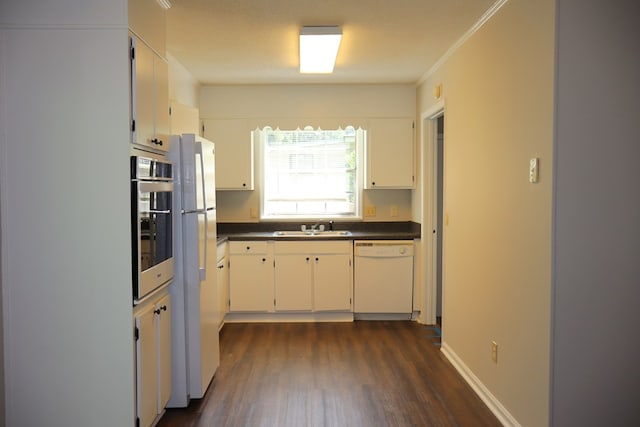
310	173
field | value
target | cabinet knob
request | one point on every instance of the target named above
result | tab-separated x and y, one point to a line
317	259
221	266
156	311
164	308
248	248
244	184
264	259
307	259
373	183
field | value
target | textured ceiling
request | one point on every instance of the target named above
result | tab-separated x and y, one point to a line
256	41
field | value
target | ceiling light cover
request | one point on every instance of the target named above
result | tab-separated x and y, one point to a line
166	4
319	49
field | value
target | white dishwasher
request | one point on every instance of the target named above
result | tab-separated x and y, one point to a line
383	276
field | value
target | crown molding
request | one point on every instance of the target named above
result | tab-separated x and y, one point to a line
466	36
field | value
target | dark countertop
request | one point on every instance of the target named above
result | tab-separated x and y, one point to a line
359	231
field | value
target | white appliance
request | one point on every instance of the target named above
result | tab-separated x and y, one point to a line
196	350
383	276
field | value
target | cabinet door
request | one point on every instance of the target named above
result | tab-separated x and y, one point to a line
163	316
146	366
251	283
293	282
234	153
390	154
149	97
223	289
332	282
161	102
142	97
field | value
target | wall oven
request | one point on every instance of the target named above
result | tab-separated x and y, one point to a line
151	224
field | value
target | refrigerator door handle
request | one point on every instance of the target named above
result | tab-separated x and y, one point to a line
203	268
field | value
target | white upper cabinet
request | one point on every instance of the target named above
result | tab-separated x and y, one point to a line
234	152
390	154
149	97
149	75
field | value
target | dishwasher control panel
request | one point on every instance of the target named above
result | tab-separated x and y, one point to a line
383	248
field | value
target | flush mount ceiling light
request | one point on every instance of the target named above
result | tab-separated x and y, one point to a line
166	4
318	49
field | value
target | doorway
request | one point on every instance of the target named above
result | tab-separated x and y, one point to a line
433	199
439	214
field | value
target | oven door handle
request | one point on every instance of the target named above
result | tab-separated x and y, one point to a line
154	186
159	212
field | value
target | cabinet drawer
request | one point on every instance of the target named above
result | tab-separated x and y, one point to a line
326	247
248	247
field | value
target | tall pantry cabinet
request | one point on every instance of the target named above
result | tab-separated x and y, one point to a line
65	213
150	130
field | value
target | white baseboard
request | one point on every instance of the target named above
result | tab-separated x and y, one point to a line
483	392
382	316
328	316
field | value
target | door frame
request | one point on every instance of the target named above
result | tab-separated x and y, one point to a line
429	166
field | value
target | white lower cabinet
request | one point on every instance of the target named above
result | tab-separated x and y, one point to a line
293	282
332	282
313	276
250	276
290	276
152	323
222	281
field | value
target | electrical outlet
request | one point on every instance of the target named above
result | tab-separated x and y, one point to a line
494	351
370	211
253	212
394	211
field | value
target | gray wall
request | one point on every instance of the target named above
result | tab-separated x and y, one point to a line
596	313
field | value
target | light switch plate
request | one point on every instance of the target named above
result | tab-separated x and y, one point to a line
534	169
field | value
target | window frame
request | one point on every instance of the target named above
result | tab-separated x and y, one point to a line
358	176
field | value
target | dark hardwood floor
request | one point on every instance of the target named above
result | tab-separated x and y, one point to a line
365	373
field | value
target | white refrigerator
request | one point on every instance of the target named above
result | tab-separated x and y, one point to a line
195	346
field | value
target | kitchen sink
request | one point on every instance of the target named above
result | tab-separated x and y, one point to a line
311	233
